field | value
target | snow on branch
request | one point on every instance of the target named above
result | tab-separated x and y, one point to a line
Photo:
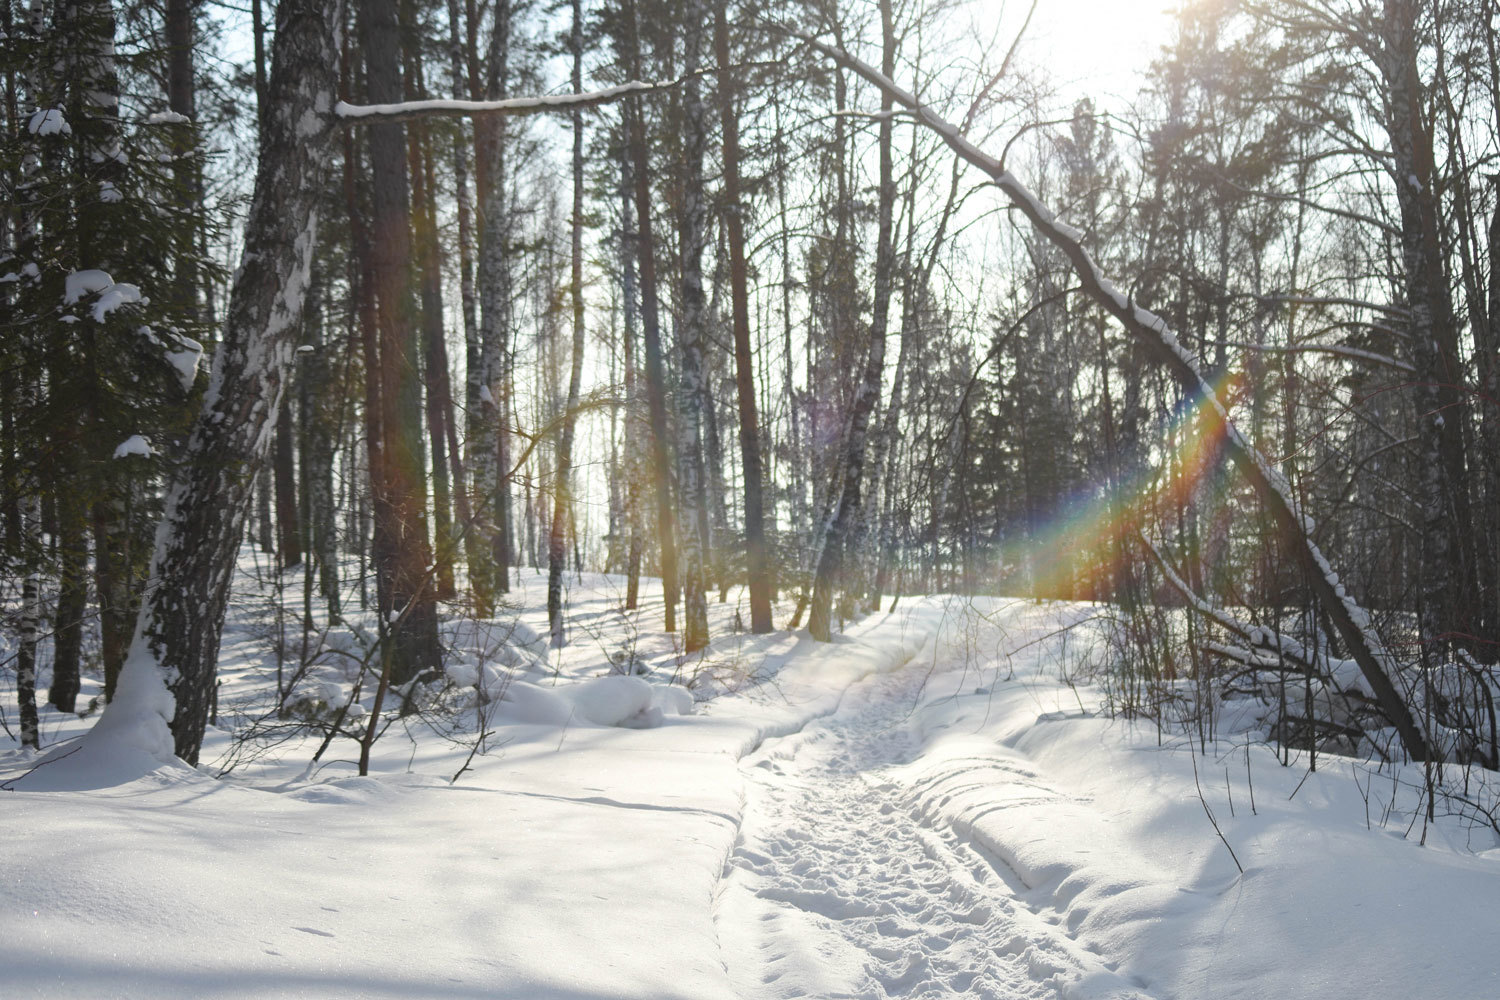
1260	639
1337	300
1153	333
1338	349
365	114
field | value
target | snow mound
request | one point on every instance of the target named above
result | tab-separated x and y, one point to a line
615	700
130	741
342	791
609	701
675	700
530	704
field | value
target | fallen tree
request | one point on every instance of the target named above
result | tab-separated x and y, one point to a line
1156	336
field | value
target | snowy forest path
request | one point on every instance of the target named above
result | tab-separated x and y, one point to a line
837	889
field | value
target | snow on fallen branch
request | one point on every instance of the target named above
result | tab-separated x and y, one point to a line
368	114
1153	332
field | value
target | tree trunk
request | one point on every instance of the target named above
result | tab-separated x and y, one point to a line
1448	580
401	500
179	22
845	510
633	472
288	530
656	391
691	240
434	346
317	423
562	482
489	422
757	562
72	602
474	536
177	632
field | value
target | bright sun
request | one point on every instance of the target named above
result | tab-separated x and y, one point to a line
1097	48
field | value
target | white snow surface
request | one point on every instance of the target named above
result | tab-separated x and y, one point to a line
930	806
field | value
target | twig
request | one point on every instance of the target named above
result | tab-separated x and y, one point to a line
1210	814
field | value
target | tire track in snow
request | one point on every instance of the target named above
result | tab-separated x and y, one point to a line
836	890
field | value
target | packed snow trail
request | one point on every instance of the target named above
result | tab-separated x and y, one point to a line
835	889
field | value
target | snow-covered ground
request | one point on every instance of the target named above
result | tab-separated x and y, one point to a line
924	808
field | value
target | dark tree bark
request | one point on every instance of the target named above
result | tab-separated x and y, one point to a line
1489	366
318	425
31	613
1449	582
435	349
72	602
288	526
656	391
474	537
633	472
401	497
756	558
180	23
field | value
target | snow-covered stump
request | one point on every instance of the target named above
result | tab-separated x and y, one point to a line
169	674
1154	334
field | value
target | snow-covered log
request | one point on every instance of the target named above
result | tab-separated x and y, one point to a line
1154	334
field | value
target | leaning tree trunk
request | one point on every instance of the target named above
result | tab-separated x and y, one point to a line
171	669
1157	340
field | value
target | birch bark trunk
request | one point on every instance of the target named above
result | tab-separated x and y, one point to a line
692	238
170	672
